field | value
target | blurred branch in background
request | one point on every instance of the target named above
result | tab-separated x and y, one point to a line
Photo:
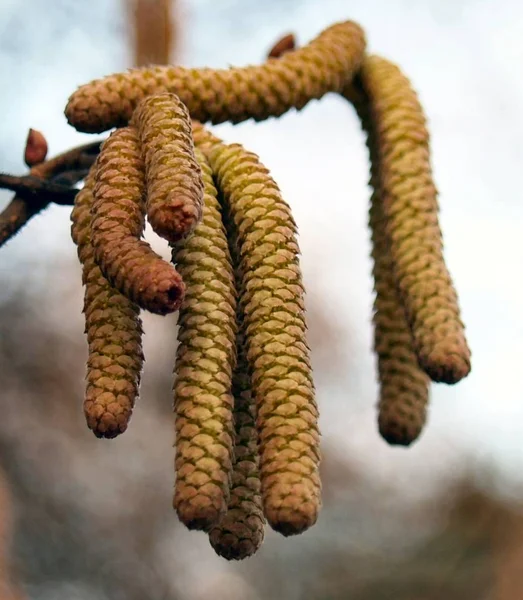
153	30
7	588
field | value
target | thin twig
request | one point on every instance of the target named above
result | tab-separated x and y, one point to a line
29	187
66	168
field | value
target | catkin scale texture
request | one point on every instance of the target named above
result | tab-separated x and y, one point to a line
240	532
118	217
276	350
410	208
114	334
403	385
219	95
206	356
173	175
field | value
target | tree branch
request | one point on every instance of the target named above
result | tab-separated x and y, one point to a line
50	181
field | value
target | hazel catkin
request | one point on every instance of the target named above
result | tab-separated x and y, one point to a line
240	532
272	304
114	334
118	218
403	385
410	209
325	65
205	360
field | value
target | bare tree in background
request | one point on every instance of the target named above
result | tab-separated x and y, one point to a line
154	31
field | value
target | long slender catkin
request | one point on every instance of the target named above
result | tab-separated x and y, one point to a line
118	218
410	209
277	351
114	334
403	385
219	95
240	532
173	175
206	356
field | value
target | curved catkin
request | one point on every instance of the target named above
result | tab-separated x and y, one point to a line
173	175
277	352
219	95
403	385
118	216
240	532
206	356
410	208
114	334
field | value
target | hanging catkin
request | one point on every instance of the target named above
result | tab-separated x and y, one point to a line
219	95
206	356
114	334
173	176
118	218
403	385
277	352
240	532
410	209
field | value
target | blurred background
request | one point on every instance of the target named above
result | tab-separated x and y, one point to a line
85	519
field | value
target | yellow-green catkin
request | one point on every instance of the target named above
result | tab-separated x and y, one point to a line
403	385
410	210
173	175
114	334
272	303
206	356
240	532
325	65
118	218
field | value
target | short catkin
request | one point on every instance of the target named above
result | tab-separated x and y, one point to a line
118	218
173	175
403	385
114	334
272	303
325	65
206	356
410	209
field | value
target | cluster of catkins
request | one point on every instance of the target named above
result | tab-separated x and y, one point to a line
246	420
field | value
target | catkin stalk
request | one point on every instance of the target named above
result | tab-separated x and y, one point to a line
118	219
219	95
173	175
277	352
114	334
410	210
206	356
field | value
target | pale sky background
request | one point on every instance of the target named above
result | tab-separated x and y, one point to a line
465	59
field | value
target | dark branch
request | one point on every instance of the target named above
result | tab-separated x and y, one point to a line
33	188
50	181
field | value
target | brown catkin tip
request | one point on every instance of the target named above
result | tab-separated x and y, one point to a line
174	178
403	385
118	214
206	355
325	65
273	309
410	209
240	532
114	334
